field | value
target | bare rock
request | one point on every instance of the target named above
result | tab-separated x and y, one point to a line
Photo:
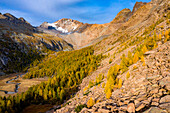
165	83
155	99
103	111
155	110
149	52
136	102
123	108
165	99
154	91
140	107
165	106
154	103
84	110
131	108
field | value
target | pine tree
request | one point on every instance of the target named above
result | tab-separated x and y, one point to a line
103	85
127	75
8	104
40	92
62	95
120	83
58	92
108	93
144	49
166	33
45	96
50	93
142	59
107	86
136	57
160	37
54	94
70	82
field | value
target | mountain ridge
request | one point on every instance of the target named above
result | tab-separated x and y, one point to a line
71	67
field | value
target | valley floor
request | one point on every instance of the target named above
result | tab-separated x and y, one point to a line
25	83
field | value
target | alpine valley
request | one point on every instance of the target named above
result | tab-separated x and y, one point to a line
74	67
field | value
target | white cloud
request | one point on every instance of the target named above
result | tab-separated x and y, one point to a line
38	11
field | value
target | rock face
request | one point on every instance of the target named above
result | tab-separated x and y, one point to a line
63	26
147	88
19	39
81	35
131	108
17	24
122	16
137	6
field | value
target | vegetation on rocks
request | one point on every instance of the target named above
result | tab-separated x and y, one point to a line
79	108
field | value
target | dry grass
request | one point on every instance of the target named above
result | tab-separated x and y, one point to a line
37	108
25	84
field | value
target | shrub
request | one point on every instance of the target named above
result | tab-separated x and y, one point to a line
127	75
134	67
91	84
103	85
80	107
144	49
90	103
110	61
86	93
159	37
136	57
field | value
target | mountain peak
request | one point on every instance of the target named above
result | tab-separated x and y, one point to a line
137	6
9	16
63	26
122	16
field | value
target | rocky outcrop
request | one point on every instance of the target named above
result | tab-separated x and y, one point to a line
63	26
20	25
122	16
137	6
140	93
142	16
18	40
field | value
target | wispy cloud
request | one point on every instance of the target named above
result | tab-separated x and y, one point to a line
88	11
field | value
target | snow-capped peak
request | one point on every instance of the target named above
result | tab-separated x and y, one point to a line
58	28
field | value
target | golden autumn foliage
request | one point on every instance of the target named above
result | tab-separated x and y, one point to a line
142	59
90	103
127	75
120	83
136	57
144	49
103	85
110	61
159	37
108	93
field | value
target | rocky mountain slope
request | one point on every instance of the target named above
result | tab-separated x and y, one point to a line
126	20
125	69
64	26
147	88
19	41
142	86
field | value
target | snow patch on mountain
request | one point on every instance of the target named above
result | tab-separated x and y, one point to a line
58	28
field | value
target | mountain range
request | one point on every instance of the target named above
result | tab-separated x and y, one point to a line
120	66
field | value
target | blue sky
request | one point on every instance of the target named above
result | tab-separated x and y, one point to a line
86	11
